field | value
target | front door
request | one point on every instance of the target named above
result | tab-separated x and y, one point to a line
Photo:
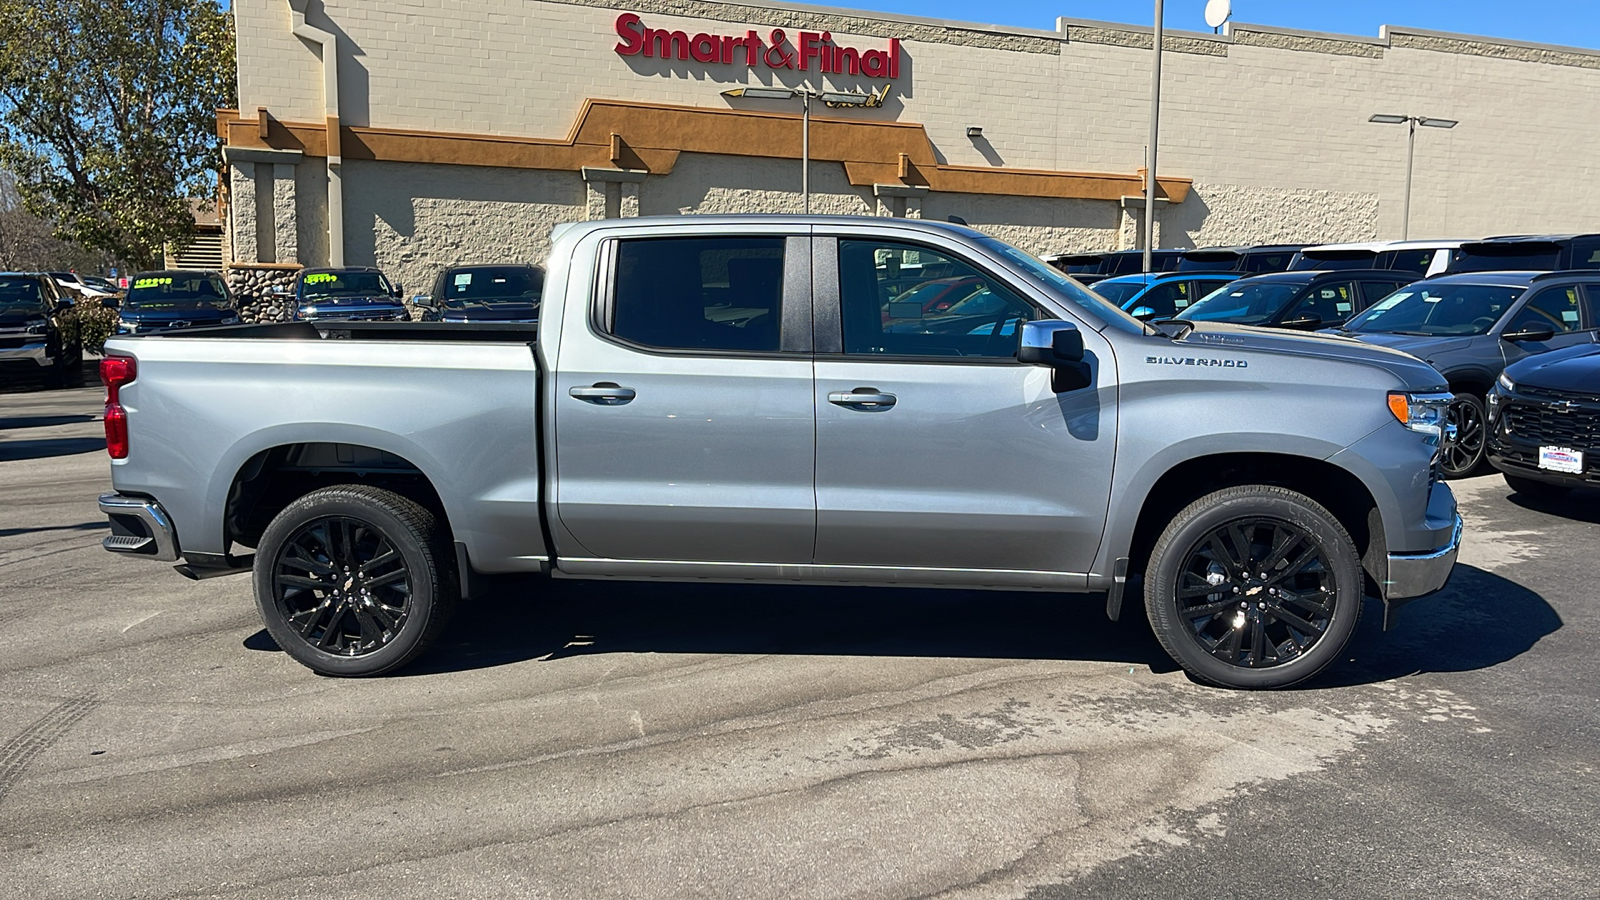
1557	308
685	428
936	449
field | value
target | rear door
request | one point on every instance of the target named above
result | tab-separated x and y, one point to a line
937	451
685	428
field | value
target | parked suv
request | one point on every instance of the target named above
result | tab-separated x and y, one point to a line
1089	268
176	298
1521	252
1257	260
1161	295
353	293
1544	420
38	327
1421	258
1470	326
1306	300
501	293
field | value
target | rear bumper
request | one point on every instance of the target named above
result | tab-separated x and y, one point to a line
1413	575
139	526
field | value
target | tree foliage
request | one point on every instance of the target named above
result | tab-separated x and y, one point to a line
108	115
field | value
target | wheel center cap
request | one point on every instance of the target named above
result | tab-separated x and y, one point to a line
1254	591
348	582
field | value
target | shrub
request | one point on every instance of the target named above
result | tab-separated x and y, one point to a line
96	323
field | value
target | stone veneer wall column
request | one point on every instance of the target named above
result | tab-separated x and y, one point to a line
900	200
251	202
613	193
285	222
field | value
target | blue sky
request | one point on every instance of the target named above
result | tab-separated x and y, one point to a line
1571	22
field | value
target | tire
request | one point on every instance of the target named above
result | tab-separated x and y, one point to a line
321	604
1242	631
1465	456
1535	490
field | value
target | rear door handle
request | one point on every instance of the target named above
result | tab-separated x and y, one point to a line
864	399
604	393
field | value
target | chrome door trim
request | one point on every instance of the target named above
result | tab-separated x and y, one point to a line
780	573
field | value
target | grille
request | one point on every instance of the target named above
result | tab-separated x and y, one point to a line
1544	424
1538	393
11	343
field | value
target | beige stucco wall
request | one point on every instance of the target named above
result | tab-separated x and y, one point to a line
1271	125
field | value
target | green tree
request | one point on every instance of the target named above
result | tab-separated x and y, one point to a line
108	115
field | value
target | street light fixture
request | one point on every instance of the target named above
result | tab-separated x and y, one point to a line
806	93
1411	152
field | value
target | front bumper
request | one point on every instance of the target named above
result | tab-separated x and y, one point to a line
139	526
1413	575
39	354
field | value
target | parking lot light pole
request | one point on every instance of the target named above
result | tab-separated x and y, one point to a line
1155	131
806	93
1411	154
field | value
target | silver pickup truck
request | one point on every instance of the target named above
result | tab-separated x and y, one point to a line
778	399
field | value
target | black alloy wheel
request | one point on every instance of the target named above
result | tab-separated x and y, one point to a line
1257	592
354	580
342	585
1254	587
1464	456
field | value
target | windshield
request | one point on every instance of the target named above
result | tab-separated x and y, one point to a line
101	283
1438	309
171	290
344	284
20	292
1244	304
493	284
1119	292
1062	286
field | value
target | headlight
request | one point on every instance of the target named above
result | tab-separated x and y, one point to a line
1506	384
37	326
231	320
1422	413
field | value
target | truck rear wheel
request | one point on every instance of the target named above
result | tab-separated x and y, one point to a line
1254	587
354	580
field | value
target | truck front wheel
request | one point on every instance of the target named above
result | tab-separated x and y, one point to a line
1254	587
354	580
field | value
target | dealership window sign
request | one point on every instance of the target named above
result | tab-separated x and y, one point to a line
809	51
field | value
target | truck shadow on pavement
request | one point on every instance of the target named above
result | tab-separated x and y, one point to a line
16	451
1579	505
1478	621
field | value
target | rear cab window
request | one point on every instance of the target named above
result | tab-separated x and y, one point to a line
718	293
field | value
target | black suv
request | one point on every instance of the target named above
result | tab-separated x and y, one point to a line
500	293
352	293
39	328
1529	252
1544	421
1305	300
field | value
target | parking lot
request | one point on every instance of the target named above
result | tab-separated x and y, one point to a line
574	739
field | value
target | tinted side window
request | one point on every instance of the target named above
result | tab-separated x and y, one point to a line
882	291
1554	308
710	293
1373	291
1416	261
1332	302
1591	293
1167	299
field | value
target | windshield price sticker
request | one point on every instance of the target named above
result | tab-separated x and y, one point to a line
463	279
321	278
151	282
1561	459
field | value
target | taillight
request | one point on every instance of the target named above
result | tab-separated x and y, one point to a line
116	371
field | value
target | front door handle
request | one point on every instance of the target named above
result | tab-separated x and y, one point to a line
864	399
604	393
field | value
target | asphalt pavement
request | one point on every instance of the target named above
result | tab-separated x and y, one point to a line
597	740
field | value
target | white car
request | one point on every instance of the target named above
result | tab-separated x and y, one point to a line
88	286
1425	258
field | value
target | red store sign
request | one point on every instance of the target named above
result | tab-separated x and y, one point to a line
775	53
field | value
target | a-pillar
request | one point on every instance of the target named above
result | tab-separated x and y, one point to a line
613	193
903	201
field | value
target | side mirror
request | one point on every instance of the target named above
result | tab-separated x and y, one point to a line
398	290
1059	346
1304	322
63	307
1143	313
1534	333
423	300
